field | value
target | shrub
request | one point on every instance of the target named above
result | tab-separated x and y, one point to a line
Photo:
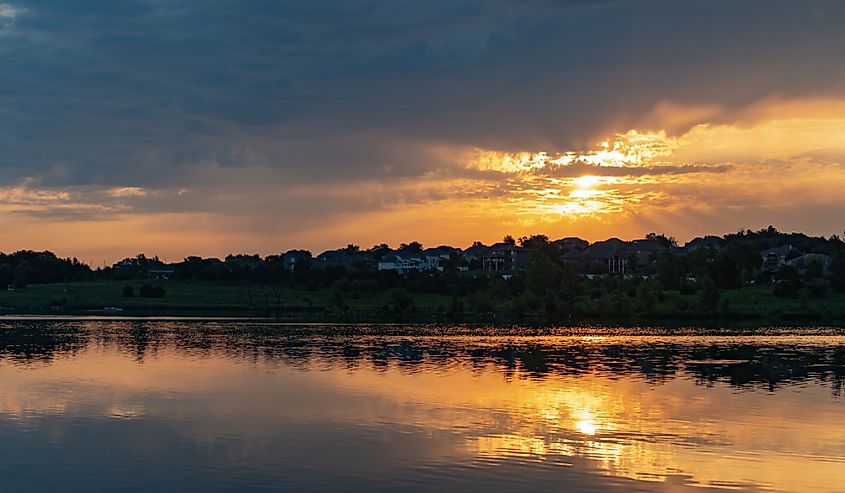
787	282
709	294
151	291
401	300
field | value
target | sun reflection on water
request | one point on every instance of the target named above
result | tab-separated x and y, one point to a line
597	421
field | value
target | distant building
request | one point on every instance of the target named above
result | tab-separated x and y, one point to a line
610	254
573	258
775	257
504	257
402	262
293	258
709	241
471	257
571	243
162	273
436	258
350	259
646	251
803	261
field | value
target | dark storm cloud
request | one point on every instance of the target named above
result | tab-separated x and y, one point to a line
147	92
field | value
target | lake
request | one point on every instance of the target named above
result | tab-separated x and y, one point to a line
122	405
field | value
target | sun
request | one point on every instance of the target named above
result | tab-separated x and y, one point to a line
587	181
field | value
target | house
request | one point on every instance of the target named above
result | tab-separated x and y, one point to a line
573	258
471	256
143	267
571	243
474	252
359	260
330	258
402	261
244	261
775	257
436	258
709	241
349	259
162	273
503	257
802	262
293	258
647	251
611	255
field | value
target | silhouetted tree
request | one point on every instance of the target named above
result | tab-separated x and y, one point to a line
542	274
148	290
787	282
669	270
413	246
709	294
663	240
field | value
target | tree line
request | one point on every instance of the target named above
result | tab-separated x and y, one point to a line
694	280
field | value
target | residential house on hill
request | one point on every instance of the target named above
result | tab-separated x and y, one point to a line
646	251
571	243
402	261
709	241
611	255
159	270
293	258
437	258
471	256
345	258
573	258
802	262
504	257
775	257
474	252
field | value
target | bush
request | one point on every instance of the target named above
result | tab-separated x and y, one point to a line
151	291
787	282
837	271
400	300
128	291
481	302
688	287
817	288
456	306
709	294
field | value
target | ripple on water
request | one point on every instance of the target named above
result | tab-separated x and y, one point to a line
235	406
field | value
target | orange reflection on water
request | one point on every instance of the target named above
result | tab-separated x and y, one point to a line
792	440
598	422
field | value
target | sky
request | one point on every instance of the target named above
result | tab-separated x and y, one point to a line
187	127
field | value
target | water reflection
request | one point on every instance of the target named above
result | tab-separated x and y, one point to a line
245	407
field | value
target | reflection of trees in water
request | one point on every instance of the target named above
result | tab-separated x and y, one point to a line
38	344
745	364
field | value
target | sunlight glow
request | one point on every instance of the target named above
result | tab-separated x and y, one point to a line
586	181
586	424
633	148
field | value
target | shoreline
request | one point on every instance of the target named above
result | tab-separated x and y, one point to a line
222	301
492	321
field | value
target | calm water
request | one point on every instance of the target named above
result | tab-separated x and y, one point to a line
191	406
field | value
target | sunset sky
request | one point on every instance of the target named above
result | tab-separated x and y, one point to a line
186	127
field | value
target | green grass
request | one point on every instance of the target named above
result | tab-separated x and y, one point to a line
759	302
98	294
188	297
231	299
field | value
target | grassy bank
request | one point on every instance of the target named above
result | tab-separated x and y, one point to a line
753	305
198	298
